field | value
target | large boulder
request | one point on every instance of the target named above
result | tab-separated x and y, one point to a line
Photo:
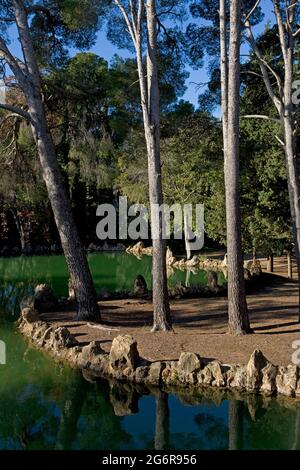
44	298
269	374
124	353
254	370
236	377
286	380
140	288
188	366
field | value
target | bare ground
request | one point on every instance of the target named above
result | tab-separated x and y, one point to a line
200	325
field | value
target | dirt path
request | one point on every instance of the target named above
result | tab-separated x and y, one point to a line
200	325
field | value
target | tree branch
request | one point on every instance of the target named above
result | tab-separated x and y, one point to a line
261	116
16	110
252	11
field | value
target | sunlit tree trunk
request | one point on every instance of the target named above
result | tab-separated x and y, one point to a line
71	244
149	89
238	322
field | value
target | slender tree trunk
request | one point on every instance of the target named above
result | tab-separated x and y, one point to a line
20	229
238	321
161	308
270	263
71	244
289	265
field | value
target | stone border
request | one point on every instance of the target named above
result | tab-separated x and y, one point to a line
123	363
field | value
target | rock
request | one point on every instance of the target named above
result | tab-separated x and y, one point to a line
269	374
254	370
123	353
205	377
212	280
192	262
141	373
154	376
61	338
140	287
218	378
236	377
297	391
188	365
90	352
44	298
286	380
30	315
170	373
254	267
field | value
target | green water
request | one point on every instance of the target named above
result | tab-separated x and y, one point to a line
112	271
46	406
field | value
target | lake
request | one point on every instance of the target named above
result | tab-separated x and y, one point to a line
44	405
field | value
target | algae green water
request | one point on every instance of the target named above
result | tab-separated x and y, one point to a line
111	271
44	405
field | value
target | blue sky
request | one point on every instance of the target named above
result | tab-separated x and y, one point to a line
105	49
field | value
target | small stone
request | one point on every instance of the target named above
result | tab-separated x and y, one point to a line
141	373
155	373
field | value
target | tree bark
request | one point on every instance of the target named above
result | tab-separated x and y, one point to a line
71	244
238	321
161	307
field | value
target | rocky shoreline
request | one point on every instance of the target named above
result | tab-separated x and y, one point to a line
123	363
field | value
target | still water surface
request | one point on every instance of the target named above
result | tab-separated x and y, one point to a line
44	405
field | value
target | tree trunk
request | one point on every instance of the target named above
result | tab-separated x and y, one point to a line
238	320
289	265
161	307
71	244
19	229
270	263
162	423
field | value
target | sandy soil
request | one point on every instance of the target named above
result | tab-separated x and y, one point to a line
200	325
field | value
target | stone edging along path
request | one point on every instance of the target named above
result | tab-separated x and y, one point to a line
124	363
